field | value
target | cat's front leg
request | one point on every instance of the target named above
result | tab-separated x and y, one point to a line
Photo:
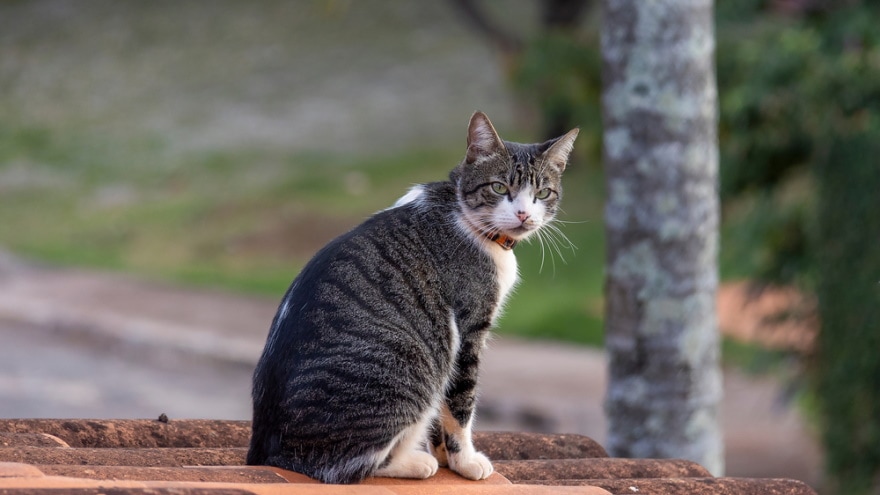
459	449
457	415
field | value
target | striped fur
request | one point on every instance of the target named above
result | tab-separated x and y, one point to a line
376	344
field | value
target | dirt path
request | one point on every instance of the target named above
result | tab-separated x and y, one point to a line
83	344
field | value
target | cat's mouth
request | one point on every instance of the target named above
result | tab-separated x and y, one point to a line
513	229
520	232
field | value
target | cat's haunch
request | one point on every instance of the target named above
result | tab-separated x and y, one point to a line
370	366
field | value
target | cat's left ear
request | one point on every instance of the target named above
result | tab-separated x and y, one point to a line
560	149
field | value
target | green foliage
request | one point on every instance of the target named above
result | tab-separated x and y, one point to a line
768	233
559	72
847	366
783	83
768	132
800	136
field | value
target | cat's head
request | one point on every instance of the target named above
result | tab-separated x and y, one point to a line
509	189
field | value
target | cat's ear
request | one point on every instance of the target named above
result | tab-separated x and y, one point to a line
559	149
482	139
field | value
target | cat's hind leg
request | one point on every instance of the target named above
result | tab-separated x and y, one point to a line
408	457
437	444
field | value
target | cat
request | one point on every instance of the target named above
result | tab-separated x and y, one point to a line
370	366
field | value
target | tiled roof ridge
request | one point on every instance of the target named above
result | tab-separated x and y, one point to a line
207	457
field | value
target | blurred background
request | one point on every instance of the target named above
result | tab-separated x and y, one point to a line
178	162
221	144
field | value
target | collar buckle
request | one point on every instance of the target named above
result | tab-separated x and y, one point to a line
507	243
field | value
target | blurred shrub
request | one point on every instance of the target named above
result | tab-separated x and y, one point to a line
800	104
847	368
560	73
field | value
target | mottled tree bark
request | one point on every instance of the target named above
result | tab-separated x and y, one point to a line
661	160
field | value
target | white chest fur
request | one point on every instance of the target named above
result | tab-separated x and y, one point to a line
506	272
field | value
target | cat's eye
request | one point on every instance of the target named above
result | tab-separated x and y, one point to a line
499	188
543	193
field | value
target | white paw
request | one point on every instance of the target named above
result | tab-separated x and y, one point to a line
417	464
473	467
440	454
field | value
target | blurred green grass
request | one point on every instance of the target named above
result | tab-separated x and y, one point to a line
248	219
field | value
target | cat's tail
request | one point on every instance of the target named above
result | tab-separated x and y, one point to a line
265	432
267	416
343	472
266	449
263	445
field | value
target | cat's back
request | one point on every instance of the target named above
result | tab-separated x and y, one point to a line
401	271
418	233
411	240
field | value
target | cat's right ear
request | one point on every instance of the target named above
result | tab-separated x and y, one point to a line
482	139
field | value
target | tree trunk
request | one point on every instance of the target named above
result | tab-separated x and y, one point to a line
661	160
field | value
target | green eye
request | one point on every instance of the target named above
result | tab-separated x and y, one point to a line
543	193
499	188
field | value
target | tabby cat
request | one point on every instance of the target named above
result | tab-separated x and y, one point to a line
370	366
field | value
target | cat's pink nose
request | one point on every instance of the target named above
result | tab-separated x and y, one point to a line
522	216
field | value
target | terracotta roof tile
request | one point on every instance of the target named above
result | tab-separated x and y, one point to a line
691	486
206	457
136	433
566	469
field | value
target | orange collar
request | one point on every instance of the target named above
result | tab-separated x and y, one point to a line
506	243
